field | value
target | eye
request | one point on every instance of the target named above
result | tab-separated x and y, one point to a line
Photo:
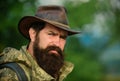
63	37
51	33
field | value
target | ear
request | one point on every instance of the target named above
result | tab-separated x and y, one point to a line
32	34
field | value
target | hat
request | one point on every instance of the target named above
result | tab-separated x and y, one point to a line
54	15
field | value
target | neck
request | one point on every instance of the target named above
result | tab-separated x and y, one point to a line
30	48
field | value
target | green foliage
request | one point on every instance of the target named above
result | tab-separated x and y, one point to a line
11	13
81	14
87	66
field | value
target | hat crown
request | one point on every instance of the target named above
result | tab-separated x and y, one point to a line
55	15
52	13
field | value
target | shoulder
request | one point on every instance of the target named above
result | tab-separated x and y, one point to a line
9	55
66	69
9	49
7	74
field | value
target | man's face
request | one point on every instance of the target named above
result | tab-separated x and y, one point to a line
51	36
48	49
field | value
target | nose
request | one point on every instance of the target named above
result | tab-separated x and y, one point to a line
56	41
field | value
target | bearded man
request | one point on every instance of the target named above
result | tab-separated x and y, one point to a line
43	58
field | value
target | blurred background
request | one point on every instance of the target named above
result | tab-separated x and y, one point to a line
95	52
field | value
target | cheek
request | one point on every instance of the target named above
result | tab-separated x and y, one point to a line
44	39
42	43
63	44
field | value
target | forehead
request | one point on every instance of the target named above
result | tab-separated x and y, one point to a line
49	27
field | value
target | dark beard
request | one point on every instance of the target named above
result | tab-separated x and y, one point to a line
51	63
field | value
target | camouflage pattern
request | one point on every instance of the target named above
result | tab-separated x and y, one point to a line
29	65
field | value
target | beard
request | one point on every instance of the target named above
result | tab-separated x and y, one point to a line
48	61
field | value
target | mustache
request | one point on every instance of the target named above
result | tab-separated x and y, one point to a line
55	48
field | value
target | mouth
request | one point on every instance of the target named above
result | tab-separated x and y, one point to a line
54	52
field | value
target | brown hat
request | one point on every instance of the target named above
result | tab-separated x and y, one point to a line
55	15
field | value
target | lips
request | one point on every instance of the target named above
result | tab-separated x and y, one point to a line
53	52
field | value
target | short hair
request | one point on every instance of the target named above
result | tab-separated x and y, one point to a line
37	26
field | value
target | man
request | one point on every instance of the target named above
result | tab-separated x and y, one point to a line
42	59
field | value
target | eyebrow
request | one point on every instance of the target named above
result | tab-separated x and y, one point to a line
61	35
53	32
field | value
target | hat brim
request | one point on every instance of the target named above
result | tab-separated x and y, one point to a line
25	22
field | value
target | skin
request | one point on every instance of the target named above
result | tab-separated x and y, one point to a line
48	36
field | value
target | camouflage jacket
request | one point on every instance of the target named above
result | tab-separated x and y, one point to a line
29	65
